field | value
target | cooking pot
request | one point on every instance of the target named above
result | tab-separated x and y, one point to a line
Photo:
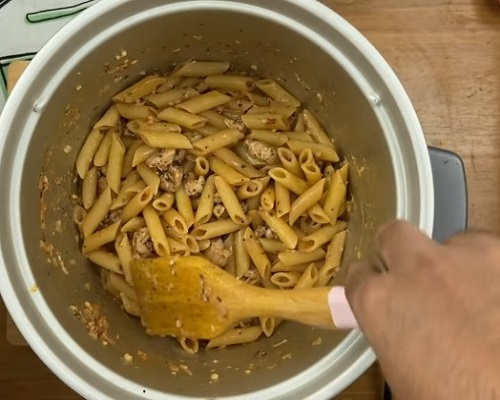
315	54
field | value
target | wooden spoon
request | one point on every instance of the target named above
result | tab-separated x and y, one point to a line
191	297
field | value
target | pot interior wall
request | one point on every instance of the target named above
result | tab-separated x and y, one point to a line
308	72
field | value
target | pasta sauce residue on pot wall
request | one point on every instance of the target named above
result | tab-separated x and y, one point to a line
228	166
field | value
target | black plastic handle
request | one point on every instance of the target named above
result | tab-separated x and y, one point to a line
450	201
450	194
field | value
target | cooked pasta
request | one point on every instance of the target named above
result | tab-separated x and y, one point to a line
220	164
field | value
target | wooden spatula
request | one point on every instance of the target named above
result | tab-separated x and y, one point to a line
191	297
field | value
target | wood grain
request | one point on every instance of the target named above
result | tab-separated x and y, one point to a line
446	53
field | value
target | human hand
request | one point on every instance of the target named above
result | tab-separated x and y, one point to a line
432	313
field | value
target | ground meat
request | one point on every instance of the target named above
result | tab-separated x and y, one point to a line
171	179
264	231
179	156
96	324
142	244
193	185
219	210
262	151
161	160
193	136
217	198
112	217
235	123
102	183
217	253
251	277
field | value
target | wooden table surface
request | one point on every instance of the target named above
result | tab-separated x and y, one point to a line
447	54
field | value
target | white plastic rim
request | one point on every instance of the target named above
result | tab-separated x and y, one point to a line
298	384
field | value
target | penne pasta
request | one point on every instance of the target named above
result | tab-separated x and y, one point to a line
272	246
214	229
160	140
182	118
225	138
128	160
155	228
206	204
190	243
171	97
176	221
108	120
272	138
274	108
215	119
319	150
149	176
309	277
237	163
115	163
276	92
257	254
102	154
142	153
300	125
312	172
140	89
266	121
333	258
89	188
116	283
334	198
303	136
240	254
314	128
305	201
289	161
292	257
235	336
189	345
163	202
220	168
88	151
123	249
201	68
267	324
344	172
204	102
323	235
306	156
184	206
97	212
157	126
284	231
318	215
285	280
281	267
201	166
288	180
250	189
135	111
230	82
282	199
133	224
130	306
100	238
135	206
177	248
268	198
127	191
106	260
230	201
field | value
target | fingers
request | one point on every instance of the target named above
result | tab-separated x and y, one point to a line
363	278
400	244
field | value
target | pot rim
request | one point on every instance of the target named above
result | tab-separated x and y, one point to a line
298	385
